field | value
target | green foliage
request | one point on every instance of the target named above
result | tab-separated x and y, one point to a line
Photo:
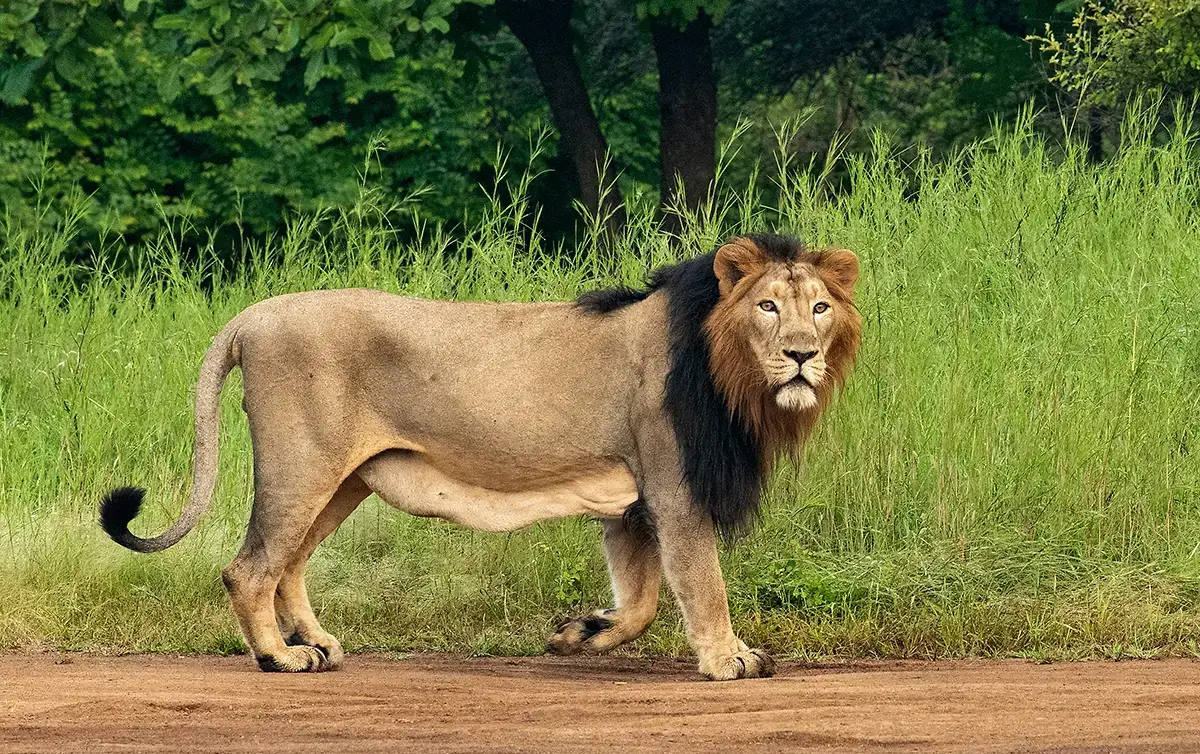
1012	468
767	46
791	583
932	76
570	584
618	64
680	11
223	46
214	113
218	112
1114	51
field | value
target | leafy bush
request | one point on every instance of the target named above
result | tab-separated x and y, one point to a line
233	110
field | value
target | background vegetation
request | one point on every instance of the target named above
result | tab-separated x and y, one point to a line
236	112
1012	469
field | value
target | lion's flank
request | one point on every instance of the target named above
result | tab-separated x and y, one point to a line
725	452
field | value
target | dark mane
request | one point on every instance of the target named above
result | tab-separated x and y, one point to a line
723	460
777	247
610	299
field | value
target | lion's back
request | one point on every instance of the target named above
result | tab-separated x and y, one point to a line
493	356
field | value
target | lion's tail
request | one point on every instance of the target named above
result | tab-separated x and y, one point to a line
121	505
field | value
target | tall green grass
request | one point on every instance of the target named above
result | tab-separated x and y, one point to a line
1013	468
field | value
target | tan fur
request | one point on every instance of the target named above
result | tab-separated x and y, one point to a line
408	482
496	415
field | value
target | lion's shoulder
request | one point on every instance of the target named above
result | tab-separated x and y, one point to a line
720	455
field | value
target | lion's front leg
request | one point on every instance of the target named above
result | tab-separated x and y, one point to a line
688	547
636	572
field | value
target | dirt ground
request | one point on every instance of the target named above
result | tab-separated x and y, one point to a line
60	702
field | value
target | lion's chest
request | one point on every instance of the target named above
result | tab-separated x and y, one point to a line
406	481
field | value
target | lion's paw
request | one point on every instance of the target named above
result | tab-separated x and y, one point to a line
326	643
298	659
576	635
750	663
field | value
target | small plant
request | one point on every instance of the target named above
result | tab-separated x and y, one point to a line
570	584
789	583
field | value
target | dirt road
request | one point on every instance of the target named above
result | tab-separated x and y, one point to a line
56	703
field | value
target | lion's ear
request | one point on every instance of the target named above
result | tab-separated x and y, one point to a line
842	266
734	261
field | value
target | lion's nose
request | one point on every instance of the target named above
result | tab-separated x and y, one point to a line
800	356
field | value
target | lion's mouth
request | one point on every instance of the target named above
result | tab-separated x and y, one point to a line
797	381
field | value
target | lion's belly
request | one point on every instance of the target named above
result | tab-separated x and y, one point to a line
406	481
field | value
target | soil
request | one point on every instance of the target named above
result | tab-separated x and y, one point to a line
421	703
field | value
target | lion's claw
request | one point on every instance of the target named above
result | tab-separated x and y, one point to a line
301	658
750	663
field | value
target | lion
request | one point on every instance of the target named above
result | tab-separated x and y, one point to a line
659	412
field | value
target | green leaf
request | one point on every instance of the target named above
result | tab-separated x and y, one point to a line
438	24
72	68
381	49
413	24
220	81
15	82
345	35
200	57
290	37
220	15
314	70
34	45
174	21
255	46
322	38
170	84
131	6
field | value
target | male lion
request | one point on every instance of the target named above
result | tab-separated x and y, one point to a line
660	412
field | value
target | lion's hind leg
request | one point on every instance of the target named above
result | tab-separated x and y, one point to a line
287	501
636	572
293	611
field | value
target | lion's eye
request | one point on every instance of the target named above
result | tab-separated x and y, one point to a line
768	306
820	308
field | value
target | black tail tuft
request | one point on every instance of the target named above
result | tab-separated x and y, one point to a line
118	508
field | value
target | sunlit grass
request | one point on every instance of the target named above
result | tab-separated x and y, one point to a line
1012	469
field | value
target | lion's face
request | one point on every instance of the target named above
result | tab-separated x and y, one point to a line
785	329
787	319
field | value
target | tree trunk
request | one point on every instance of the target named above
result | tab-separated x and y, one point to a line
687	109
544	28
1095	134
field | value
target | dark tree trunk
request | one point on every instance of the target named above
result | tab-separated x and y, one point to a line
687	108
1095	134
544	28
